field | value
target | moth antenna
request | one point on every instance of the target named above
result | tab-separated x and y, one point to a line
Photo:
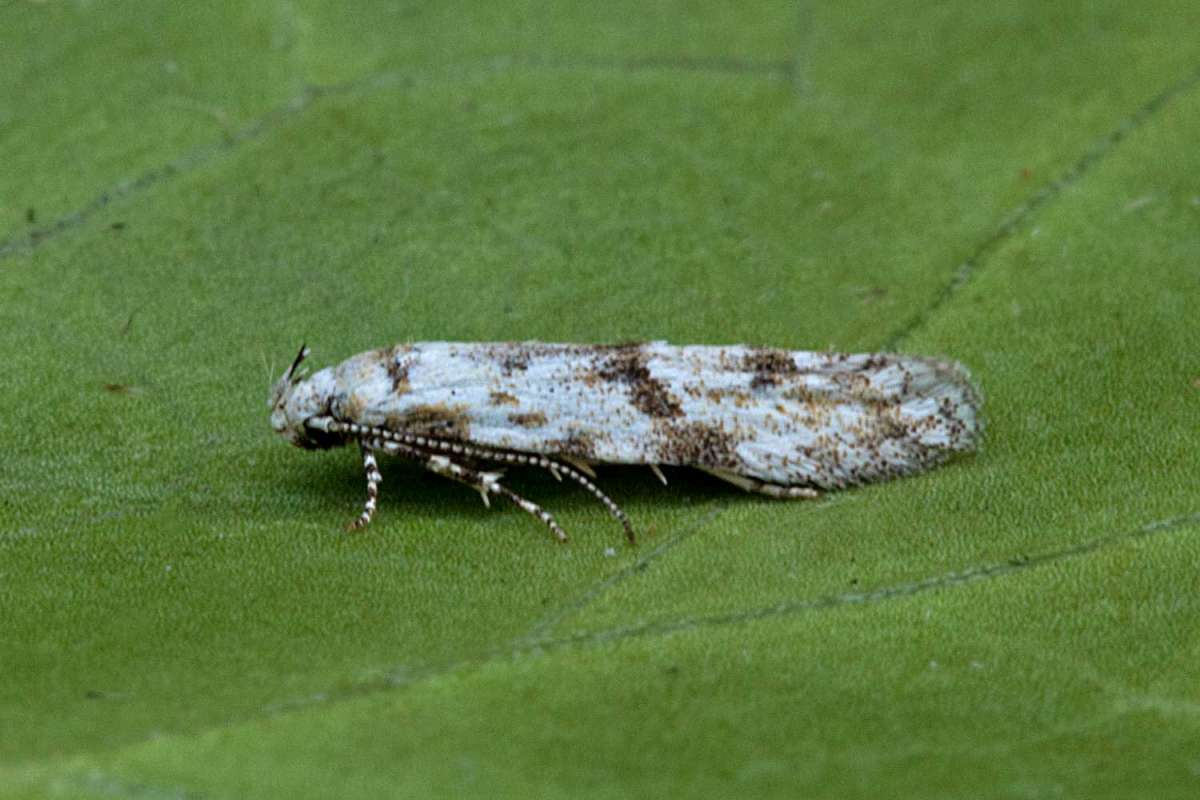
303	354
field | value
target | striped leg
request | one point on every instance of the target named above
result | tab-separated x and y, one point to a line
555	468
371	467
761	487
418	443
533	508
484	482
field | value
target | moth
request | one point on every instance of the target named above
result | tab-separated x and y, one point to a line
788	424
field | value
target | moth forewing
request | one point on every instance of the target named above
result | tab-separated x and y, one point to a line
784	423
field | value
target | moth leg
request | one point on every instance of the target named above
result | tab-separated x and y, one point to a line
371	467
484	482
558	469
417	443
658	474
581	465
762	487
533	508
555	468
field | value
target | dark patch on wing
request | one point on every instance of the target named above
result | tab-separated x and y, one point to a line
579	445
503	399
514	361
739	397
350	407
626	365
397	370
875	361
888	425
436	419
802	394
516	356
770	366
857	387
510	357
697	444
532	419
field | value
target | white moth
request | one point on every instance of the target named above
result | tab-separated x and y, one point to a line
784	423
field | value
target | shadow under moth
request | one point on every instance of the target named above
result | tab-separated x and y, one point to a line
788	424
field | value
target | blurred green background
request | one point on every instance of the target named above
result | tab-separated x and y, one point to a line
188	192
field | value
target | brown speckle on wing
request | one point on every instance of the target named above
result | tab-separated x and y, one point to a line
352	407
397	369
503	399
534	419
512	357
769	365
626	365
452	422
514	362
576	445
696	443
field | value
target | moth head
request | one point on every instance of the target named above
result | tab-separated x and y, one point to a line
296	398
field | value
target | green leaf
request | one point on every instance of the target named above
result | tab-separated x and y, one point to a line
187	195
